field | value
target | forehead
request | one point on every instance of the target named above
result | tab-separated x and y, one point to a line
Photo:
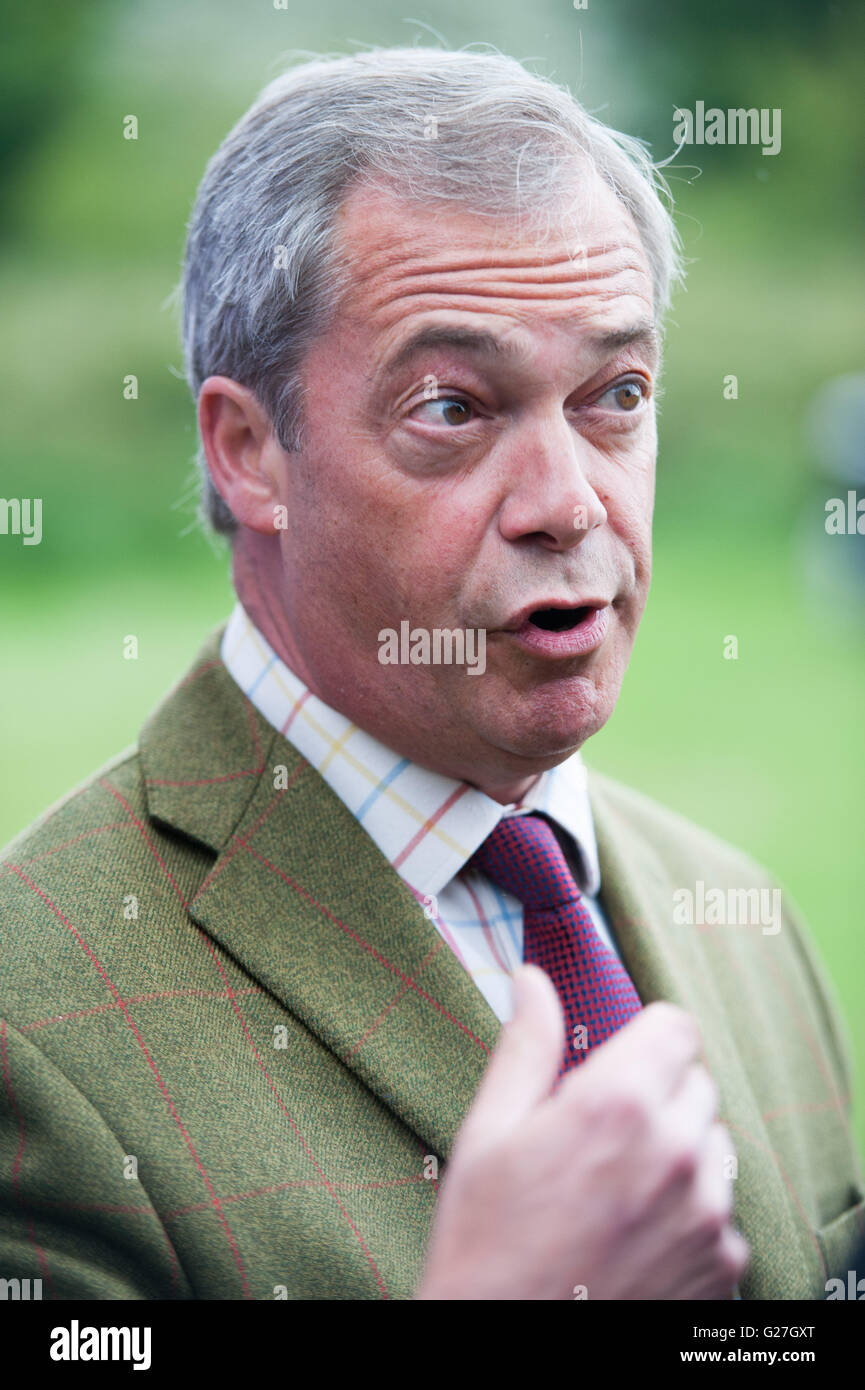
407	262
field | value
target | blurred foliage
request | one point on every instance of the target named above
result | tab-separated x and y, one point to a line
714	50
40	73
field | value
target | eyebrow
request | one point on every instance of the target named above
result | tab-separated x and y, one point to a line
480	341
643	334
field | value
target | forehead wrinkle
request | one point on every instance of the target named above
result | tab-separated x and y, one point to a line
560	304
639	321
519	295
560	273
386	270
391	301
396	248
517	258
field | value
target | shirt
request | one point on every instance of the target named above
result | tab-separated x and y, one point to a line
426	825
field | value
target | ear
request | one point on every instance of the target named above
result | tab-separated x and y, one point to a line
244	457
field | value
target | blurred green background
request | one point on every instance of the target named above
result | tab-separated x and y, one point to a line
766	750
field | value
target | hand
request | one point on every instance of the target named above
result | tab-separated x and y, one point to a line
615	1183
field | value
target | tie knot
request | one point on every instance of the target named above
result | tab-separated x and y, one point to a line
523	856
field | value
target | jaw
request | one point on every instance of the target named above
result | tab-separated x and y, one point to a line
543	723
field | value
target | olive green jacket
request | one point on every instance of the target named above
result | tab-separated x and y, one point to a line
236	1053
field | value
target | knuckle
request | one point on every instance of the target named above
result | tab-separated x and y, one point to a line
518	1050
672	1019
683	1163
621	1111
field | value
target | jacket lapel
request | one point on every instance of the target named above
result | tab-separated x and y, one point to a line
669	963
307	904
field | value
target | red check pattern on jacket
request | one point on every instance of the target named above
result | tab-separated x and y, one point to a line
524	857
288	1047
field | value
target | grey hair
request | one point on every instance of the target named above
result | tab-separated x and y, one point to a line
261	276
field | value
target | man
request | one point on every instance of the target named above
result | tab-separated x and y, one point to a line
255	972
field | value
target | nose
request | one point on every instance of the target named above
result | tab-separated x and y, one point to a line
550	499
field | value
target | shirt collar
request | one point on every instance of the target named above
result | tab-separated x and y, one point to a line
427	826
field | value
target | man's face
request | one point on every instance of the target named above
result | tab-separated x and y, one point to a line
479	447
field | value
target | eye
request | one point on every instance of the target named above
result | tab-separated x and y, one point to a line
447	410
628	396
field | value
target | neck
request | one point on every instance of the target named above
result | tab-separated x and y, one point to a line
507	793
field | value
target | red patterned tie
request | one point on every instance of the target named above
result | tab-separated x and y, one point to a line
523	856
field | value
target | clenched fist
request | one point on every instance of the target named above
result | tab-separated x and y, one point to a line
615	1183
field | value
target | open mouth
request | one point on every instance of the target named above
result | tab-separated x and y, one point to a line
559	632
558	619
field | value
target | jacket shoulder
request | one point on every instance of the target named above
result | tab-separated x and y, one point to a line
684	847
688	852
83	874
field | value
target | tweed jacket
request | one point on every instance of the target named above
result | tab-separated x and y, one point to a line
236	1053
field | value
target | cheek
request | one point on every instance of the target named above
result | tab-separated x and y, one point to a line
634	528
629	502
428	533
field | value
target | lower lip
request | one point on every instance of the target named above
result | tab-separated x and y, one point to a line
587	636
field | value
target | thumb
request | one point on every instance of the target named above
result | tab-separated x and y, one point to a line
526	1060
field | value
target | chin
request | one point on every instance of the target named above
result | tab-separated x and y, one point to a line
548	722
